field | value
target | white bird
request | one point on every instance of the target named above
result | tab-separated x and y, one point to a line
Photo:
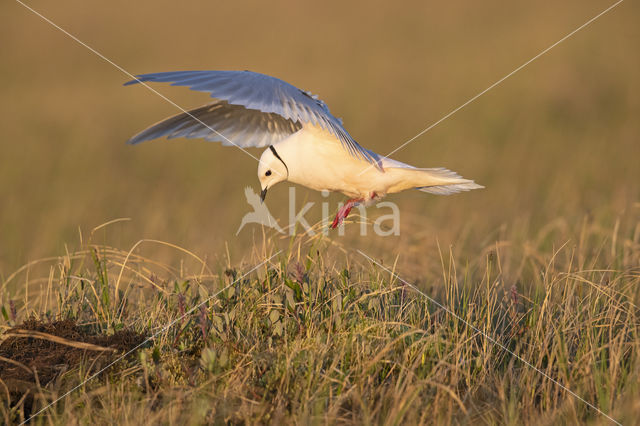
306	144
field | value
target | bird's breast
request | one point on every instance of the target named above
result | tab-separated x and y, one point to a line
317	160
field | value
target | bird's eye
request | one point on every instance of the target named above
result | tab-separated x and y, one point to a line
268	173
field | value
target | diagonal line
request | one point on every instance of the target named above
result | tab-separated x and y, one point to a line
154	335
489	338
130	75
499	81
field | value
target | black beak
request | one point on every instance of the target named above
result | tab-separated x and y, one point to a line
263	194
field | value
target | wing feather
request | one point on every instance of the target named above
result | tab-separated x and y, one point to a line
222	122
245	96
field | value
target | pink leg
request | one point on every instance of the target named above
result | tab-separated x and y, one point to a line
344	211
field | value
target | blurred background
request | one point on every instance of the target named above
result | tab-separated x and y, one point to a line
556	145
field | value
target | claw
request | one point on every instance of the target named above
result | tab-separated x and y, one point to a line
344	211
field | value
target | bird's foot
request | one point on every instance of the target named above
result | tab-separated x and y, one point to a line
343	212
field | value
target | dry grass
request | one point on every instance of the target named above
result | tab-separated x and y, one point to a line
319	335
559	140
546	259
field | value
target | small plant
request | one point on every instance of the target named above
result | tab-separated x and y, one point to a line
328	343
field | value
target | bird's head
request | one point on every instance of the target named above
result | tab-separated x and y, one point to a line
271	170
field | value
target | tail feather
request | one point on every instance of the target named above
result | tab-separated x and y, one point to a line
450	189
446	182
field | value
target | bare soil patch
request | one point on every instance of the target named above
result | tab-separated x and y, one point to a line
35	353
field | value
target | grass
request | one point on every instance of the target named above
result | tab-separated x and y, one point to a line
545	260
318	335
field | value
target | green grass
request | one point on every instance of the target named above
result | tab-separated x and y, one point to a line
545	260
317	335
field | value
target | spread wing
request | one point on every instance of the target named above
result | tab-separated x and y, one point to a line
251	110
220	121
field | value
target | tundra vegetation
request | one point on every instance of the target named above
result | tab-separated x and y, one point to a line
103	245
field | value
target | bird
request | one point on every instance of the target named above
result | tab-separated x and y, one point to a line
305	144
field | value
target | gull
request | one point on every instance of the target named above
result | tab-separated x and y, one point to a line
305	144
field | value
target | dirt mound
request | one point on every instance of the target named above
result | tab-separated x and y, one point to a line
37	352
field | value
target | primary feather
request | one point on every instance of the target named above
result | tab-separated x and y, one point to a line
249	105
233	124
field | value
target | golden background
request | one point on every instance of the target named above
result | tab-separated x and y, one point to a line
556	144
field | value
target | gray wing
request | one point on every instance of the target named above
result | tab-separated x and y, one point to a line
253	110
219	121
